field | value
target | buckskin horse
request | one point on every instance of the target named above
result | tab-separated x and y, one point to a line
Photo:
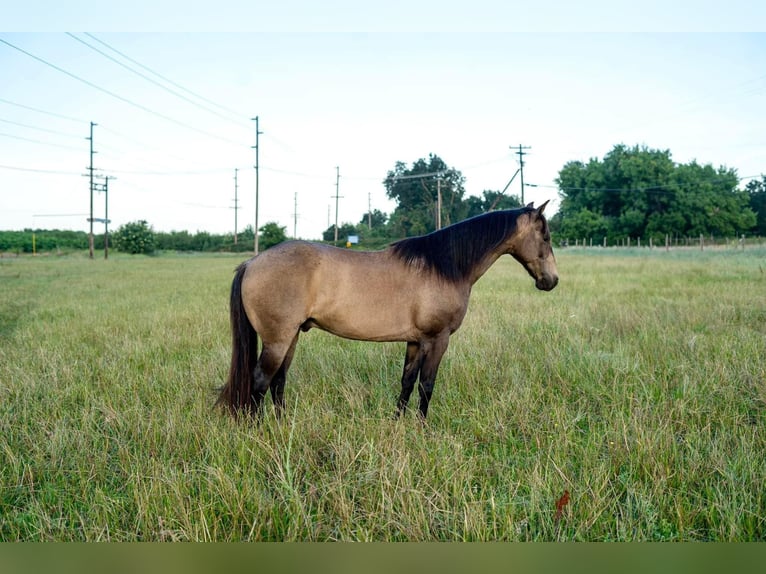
415	291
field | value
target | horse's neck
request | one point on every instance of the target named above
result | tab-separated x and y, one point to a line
483	265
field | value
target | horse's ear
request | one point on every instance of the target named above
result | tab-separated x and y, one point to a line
541	208
531	204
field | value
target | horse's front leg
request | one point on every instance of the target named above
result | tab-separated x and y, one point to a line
433	351
412	362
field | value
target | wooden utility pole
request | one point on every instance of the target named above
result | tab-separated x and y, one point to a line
90	170
236	203
438	202
337	197
521	155
106	217
295	216
257	133
422	177
105	188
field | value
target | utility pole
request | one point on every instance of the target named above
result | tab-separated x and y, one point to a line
295	217
106	217
439	202
521	155
257	133
337	197
105	188
90	170
369	210
421	177
236	204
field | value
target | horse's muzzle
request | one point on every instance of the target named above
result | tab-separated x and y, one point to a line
547	282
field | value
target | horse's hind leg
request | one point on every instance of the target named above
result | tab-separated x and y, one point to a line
271	359
278	382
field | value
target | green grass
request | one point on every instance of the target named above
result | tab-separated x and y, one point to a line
638	386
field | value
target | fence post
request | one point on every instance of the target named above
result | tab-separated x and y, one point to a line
667	242
702	242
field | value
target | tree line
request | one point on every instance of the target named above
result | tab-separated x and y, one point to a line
633	192
139	237
637	192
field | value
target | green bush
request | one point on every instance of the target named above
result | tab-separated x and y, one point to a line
135	237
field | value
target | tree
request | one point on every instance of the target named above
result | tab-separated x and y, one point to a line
585	224
271	234
374	219
757	191
640	192
490	201
344	231
416	190
711	202
135	237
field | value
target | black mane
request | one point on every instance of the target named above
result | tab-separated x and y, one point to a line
453	252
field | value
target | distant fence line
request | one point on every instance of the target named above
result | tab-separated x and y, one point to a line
700	242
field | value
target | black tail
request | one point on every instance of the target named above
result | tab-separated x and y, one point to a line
235	394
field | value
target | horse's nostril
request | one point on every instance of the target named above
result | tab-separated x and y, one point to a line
546	283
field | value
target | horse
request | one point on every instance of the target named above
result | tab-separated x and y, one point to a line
414	291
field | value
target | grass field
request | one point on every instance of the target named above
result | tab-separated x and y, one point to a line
638	386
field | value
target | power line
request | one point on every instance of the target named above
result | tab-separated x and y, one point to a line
295	173
39	129
164	78
181	172
58	214
143	145
40	142
38	110
416	175
154	82
119	97
655	188
102	146
34	170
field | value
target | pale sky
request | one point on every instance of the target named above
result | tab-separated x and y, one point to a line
357	100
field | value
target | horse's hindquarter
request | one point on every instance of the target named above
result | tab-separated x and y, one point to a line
370	296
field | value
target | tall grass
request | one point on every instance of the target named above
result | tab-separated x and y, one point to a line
638	386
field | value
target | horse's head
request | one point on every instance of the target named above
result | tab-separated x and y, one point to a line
531	246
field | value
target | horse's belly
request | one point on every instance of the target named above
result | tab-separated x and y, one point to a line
366	327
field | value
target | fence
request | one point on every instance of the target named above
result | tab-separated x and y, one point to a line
702	242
